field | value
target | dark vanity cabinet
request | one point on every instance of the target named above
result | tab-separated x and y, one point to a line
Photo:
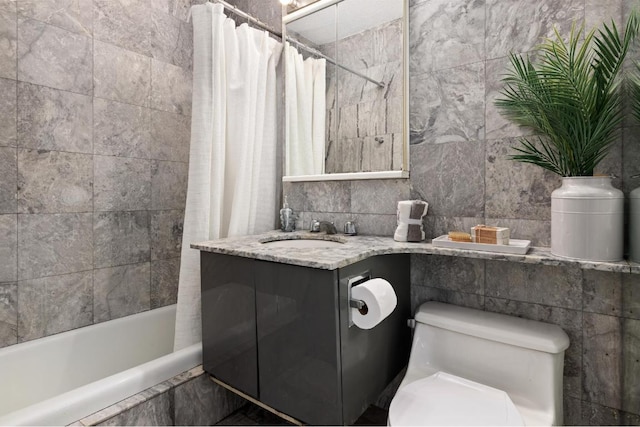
280	333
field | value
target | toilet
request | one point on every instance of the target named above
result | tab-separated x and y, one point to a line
472	367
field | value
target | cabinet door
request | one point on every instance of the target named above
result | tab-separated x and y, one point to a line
229	321
371	358
298	341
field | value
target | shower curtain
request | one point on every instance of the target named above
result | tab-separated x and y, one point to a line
305	113
232	162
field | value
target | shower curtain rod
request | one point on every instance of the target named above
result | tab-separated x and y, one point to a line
334	62
316	52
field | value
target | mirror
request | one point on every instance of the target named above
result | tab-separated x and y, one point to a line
346	84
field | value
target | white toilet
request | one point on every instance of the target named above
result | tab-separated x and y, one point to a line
472	367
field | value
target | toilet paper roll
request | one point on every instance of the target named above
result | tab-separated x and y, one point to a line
380	298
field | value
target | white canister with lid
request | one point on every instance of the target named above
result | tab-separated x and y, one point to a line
587	219
634	225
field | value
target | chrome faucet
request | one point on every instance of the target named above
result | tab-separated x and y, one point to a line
326	226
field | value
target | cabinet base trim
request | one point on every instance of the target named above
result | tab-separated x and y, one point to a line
257	402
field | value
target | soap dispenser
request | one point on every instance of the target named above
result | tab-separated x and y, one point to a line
287	217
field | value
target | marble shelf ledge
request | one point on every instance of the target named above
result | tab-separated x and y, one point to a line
357	248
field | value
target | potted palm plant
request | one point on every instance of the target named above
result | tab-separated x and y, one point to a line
571	99
634	196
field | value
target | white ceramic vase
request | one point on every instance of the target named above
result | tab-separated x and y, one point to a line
634	225
587	219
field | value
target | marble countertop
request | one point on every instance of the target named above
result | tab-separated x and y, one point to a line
357	248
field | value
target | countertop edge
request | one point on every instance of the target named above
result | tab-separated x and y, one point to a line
358	248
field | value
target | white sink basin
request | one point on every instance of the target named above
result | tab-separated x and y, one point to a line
303	243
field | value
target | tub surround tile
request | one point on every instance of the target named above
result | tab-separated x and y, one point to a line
54	182
8	314
53	57
602	360
123	23
8	39
171	88
535	21
54	244
168	184
164	282
154	412
514	189
166	234
176	8
71	15
171	39
121	75
50	119
121	183
121	291
121	129
170	136
8	183
446	35
202	402
450	177
271	16
8	248
54	304
8	112
121	238
542	284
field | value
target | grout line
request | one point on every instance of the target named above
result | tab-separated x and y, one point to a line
17	275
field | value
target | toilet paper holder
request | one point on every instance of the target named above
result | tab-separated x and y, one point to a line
356	303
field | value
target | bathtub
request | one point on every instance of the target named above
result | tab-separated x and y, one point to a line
62	378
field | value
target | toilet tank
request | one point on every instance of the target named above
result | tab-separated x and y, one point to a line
523	357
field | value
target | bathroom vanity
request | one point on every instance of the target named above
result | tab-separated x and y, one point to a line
275	317
281	333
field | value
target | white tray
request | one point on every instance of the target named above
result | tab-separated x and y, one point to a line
515	246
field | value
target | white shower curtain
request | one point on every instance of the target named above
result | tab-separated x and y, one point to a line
232	163
305	113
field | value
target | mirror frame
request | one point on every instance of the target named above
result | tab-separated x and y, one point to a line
404	172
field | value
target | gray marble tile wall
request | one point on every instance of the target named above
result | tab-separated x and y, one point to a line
367	136
459	145
189	398
95	105
459	142
598	310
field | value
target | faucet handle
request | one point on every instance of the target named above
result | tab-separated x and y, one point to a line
350	228
315	226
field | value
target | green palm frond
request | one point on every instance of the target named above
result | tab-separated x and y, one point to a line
570	98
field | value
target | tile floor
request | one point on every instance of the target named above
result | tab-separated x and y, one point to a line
253	415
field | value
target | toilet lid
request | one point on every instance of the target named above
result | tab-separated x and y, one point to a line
445	399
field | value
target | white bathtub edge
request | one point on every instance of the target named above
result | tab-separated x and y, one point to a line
83	401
